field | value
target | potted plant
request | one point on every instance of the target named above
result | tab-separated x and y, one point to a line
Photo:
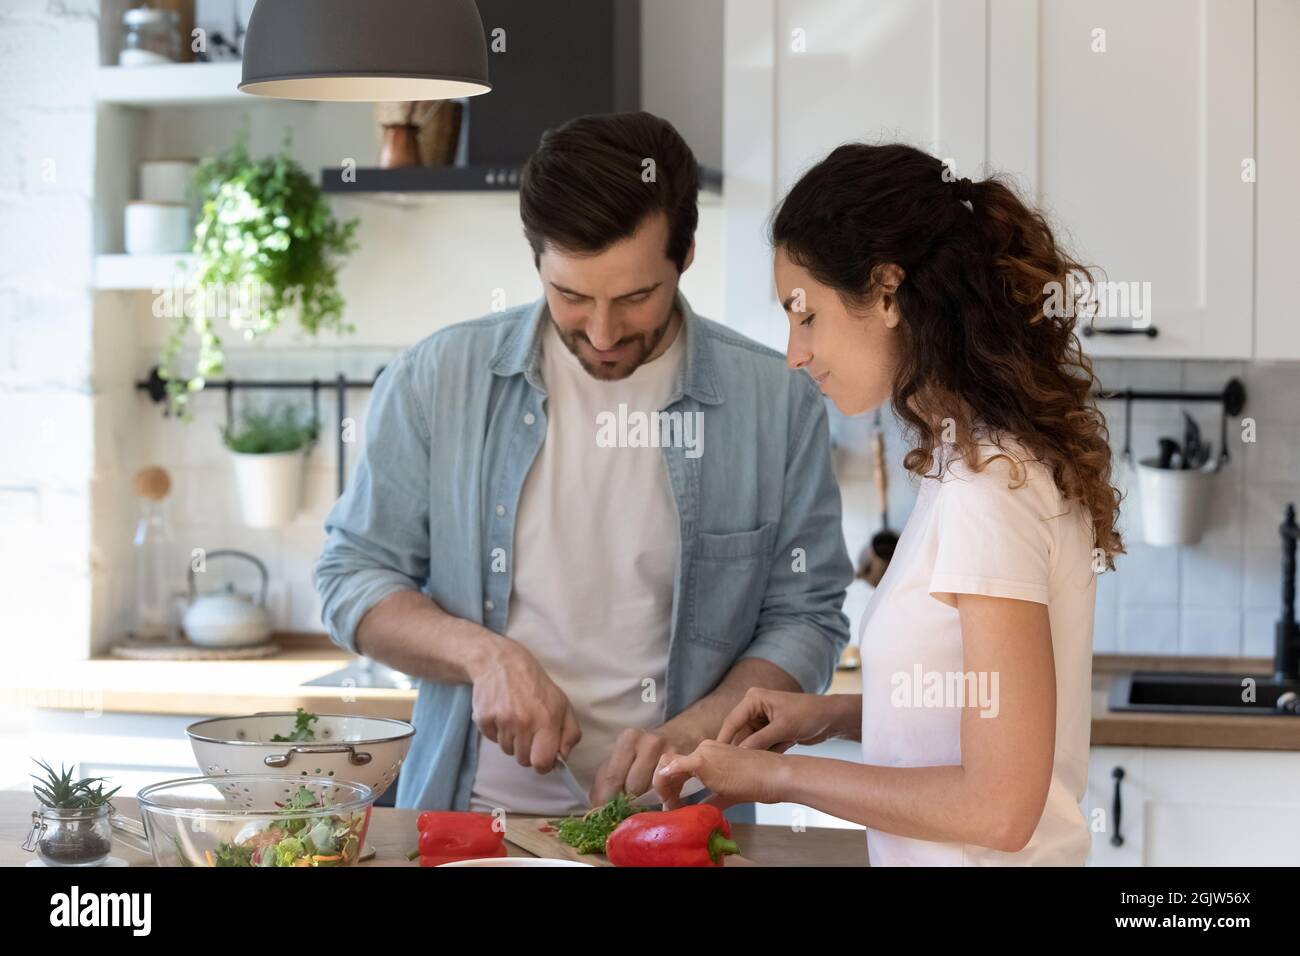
268	249
71	827
269	448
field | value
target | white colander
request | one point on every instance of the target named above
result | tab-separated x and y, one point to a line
366	750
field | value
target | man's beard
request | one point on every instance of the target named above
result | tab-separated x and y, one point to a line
646	343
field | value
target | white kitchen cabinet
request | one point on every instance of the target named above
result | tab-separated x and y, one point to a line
132	750
1277	206
1136	153
1196	807
802	77
1099	803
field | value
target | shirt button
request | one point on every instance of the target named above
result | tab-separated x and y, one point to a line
488	605
529	418
501	509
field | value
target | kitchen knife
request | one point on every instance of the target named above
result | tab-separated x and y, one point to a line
571	782
693	791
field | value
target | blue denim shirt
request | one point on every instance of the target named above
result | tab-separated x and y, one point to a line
454	425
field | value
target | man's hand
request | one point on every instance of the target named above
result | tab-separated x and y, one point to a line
631	766
517	705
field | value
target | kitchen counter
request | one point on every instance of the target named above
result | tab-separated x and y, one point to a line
392	833
1136	729
215	688
204	688
1212	731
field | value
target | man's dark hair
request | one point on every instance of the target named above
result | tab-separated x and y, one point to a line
584	188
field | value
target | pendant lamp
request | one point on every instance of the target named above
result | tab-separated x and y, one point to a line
365	50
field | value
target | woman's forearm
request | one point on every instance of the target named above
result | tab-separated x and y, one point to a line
941	804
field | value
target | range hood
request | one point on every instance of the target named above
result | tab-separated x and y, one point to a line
548	62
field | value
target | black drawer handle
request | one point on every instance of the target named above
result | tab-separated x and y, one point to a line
1090	330
1116	808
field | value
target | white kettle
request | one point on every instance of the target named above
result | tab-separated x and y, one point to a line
227	618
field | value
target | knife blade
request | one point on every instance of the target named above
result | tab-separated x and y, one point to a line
693	791
571	782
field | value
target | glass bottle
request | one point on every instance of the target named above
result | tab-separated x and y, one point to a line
154	617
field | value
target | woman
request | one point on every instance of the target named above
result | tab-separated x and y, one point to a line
903	285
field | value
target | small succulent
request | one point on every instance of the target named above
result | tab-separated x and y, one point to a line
59	791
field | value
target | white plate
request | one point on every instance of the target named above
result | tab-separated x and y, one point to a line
111	861
516	861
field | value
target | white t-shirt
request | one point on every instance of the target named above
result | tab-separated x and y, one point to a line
595	559
970	533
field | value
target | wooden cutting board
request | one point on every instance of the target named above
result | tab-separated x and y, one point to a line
527	834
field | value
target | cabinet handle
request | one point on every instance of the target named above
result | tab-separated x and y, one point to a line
1090	330
1116	808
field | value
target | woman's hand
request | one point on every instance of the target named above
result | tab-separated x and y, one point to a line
777	720
734	774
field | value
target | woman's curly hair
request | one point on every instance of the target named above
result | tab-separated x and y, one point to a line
984	345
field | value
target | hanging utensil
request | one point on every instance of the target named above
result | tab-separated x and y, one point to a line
884	541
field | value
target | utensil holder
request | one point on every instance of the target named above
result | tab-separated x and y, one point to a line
1175	503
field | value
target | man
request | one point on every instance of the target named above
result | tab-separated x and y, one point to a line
569	573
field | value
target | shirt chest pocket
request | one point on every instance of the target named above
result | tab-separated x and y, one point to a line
730	581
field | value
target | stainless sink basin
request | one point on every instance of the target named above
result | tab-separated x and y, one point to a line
1160	692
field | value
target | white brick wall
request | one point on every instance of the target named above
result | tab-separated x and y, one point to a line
48	53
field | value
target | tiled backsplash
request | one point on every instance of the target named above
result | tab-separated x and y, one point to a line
203	511
1220	597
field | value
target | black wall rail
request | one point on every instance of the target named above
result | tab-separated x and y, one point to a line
156	388
1232	398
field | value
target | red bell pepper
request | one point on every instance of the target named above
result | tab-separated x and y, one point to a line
447	836
697	835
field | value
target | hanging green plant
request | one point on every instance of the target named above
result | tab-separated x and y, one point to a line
268	248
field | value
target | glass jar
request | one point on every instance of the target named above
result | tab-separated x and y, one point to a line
71	837
151	36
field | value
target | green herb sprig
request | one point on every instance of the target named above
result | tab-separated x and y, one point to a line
587	834
265	432
302	731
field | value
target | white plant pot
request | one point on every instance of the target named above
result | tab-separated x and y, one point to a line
1175	503
270	487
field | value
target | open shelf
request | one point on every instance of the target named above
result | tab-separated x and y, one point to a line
141	272
172	84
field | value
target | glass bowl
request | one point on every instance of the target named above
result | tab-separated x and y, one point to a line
251	820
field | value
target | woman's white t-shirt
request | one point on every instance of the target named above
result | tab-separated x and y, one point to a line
972	533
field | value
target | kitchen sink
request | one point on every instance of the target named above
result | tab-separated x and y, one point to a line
1161	692
364	672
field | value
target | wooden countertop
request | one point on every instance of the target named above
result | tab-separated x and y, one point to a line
204	688
1135	729
1212	731
392	833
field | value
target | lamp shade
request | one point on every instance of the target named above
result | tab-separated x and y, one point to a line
365	50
